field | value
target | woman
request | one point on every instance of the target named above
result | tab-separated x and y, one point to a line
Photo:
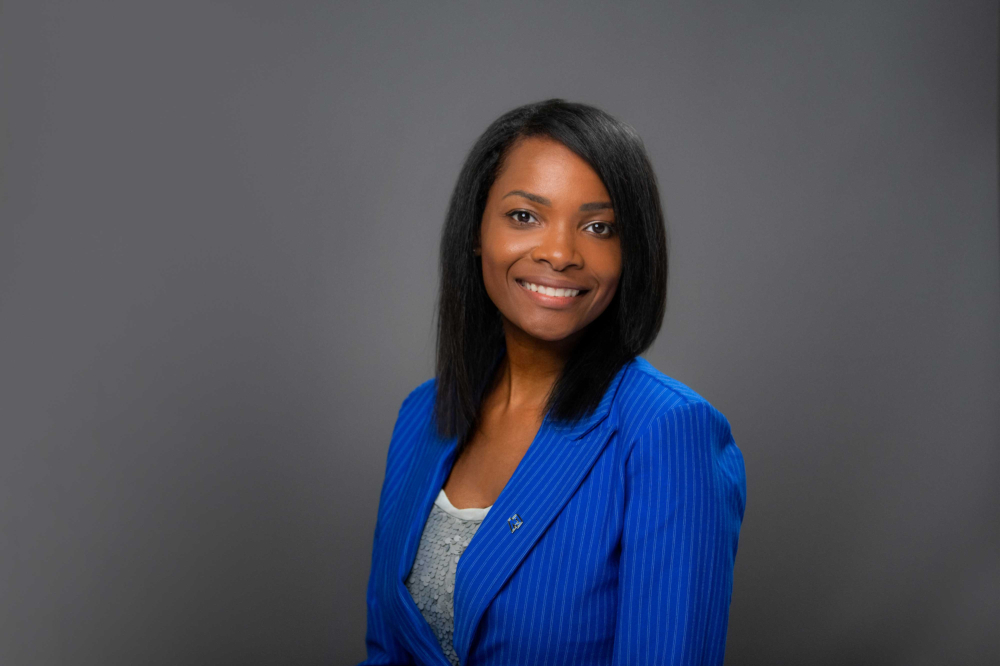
550	497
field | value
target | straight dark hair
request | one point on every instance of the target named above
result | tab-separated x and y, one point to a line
470	336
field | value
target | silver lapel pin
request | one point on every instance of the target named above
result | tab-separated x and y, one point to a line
514	522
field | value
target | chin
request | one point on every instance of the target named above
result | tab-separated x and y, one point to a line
556	337
549	334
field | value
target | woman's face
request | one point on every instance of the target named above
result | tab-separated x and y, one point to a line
548	224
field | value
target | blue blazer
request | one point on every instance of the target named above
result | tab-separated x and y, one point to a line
629	522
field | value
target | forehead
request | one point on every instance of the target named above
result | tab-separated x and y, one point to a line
546	167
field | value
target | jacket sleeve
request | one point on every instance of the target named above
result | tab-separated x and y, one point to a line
382	645
685	491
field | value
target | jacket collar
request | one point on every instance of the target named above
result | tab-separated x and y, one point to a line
555	464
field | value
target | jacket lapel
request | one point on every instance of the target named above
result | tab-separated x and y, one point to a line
431	463
551	470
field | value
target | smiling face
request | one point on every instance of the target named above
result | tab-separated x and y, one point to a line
550	250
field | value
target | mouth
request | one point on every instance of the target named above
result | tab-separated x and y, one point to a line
551	296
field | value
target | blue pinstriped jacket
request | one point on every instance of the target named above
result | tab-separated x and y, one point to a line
630	520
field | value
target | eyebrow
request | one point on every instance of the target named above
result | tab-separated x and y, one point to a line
594	205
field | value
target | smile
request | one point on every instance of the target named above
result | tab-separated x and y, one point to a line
550	291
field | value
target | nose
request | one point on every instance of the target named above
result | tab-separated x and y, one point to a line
557	247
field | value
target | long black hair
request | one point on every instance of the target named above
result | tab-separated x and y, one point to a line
470	336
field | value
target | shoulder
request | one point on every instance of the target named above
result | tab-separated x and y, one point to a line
666	425
414	412
648	399
409	431
422	395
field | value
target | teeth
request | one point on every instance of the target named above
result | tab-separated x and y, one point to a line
549	291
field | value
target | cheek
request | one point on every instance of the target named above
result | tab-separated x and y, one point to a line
611	287
495	270
610	270
492	273
499	252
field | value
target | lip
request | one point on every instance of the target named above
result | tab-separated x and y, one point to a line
555	283
551	302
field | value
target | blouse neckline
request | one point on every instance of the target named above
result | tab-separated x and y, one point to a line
472	513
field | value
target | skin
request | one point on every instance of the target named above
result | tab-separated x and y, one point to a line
523	236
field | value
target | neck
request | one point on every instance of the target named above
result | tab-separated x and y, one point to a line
530	368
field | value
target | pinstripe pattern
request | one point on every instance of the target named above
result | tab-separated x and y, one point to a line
626	553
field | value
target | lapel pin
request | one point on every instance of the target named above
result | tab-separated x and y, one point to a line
514	522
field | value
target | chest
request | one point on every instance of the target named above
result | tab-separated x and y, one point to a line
559	606
543	593
490	457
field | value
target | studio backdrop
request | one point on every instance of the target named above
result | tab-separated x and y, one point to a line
219	226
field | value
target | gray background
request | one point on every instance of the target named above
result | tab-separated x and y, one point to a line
217	276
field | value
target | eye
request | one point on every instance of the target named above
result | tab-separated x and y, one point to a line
602	228
521	216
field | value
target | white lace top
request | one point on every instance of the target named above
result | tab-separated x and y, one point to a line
431	581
